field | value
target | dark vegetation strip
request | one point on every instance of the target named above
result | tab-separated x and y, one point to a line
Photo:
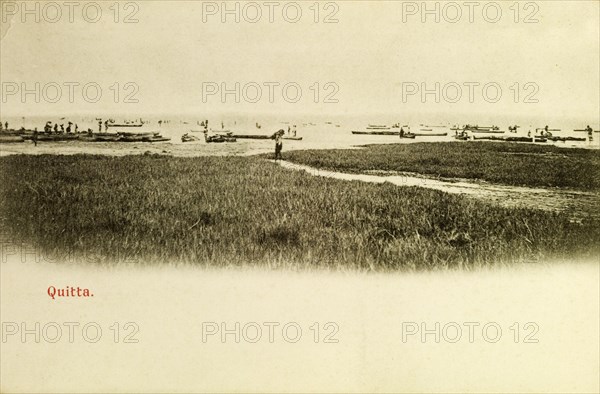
498	162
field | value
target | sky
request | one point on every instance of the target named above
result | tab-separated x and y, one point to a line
363	62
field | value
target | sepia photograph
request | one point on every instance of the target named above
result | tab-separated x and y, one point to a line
348	196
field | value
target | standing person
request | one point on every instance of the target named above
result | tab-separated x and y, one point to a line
294	131
402	132
106	125
279	144
289	130
69	127
6	125
56	127
62	128
99	126
35	136
76	128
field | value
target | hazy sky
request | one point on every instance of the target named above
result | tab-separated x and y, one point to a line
369	54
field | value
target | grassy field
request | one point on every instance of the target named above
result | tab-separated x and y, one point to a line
497	162
223	211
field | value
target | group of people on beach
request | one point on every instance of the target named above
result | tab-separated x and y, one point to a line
60	129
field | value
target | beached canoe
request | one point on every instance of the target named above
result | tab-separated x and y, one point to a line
377	126
490	138
106	138
430	134
292	138
408	135
134	134
219	139
382	132
461	137
54	137
10	139
133	138
564	139
156	139
489	131
525	139
125	125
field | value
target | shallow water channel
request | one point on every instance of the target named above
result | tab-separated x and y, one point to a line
578	204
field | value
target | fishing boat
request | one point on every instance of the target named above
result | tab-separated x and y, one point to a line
525	139
487	131
53	137
219	139
564	139
156	138
124	124
105	137
408	135
146	134
189	138
10	139
377	126
490	138
374	132
133	138
431	134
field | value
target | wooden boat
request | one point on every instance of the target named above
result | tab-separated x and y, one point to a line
525	139
461	137
125	125
583	131
104	137
53	137
219	139
408	135
378	128
146	134
189	138
425	129
372	132
564	139
430	134
490	138
10	139
156	139
292	138
253	136
490	131
133	138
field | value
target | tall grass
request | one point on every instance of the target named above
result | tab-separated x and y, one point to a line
498	162
237	210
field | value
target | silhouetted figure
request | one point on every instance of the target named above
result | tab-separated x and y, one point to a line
279	144
56	127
